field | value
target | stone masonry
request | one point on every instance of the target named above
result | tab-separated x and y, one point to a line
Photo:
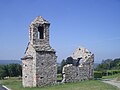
39	66
83	71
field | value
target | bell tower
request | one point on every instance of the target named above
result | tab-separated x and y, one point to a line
39	31
39	62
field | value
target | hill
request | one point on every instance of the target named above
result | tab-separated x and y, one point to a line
10	62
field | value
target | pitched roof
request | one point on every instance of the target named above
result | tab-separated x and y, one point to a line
40	19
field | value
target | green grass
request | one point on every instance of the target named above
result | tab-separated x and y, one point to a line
15	84
59	77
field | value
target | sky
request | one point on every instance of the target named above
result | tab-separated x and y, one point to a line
93	24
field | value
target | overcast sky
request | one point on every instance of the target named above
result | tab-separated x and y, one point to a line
94	24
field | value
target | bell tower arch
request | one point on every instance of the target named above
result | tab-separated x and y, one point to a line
39	31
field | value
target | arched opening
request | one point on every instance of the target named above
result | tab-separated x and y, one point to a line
40	32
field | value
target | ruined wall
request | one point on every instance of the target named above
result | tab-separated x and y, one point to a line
74	74
83	71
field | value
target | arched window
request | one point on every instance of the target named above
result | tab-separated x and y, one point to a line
40	32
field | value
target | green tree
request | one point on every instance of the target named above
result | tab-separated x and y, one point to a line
117	63
58	69
14	70
108	64
2	72
63	63
11	70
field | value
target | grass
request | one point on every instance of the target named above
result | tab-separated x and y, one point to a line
59	77
15	84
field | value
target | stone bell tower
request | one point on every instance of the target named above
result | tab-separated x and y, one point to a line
39	62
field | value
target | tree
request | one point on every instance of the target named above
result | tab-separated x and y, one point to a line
11	70
2	72
58	69
63	63
109	64
14	70
117	63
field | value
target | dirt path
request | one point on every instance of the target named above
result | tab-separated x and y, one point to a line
112	82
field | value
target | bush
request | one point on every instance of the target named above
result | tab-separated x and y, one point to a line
97	74
104	73
110	73
113	72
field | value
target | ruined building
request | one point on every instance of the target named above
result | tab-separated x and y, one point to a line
79	66
39	62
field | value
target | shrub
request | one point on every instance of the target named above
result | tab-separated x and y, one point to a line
97	74
104	73
110	73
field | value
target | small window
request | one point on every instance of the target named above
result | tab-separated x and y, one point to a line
41	77
77	74
40	32
25	76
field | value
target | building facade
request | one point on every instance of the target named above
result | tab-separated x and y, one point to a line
39	62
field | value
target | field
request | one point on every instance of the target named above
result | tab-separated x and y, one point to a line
15	84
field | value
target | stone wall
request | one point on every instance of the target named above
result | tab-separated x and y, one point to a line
27	72
39	61
46	68
33	32
83	71
74	74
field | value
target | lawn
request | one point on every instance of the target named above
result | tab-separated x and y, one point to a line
15	84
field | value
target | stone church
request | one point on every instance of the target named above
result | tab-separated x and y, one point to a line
39	61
